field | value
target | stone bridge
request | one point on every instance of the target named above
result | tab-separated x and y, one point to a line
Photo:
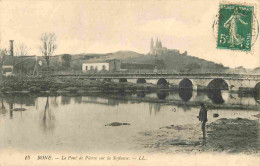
194	81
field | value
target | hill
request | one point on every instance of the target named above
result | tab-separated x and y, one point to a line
169	60
174	60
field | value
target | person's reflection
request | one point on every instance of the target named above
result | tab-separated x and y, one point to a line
203	118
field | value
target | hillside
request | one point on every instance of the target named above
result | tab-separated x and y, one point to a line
173	60
123	55
170	60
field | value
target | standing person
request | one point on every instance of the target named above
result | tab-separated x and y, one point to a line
203	118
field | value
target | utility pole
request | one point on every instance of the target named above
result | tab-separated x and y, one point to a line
35	71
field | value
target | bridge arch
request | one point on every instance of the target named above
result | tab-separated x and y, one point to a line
257	87
162	81
162	95
257	90
186	84
218	84
185	95
141	81
122	80
185	89
216	96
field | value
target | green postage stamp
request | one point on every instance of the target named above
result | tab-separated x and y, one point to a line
235	27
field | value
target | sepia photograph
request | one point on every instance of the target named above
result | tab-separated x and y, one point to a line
129	83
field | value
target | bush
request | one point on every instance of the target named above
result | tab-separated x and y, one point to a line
34	89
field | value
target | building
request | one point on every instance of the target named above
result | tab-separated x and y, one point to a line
8	65
101	65
157	48
7	61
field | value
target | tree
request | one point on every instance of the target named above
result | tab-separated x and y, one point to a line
48	47
66	59
3	53
21	50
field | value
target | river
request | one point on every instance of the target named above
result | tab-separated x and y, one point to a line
78	122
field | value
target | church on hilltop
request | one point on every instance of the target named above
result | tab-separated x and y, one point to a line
157	48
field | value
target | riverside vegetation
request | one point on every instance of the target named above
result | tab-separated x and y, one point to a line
56	85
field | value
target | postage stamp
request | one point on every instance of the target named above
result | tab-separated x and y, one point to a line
235	24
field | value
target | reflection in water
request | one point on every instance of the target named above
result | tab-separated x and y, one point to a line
215	96
185	94
3	109
65	100
154	106
27	100
257	97
11	107
54	102
48	118
86	126
93	99
162	94
113	102
185	107
141	94
231	96
78	99
157	107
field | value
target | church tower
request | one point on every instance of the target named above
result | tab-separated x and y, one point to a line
156	47
157	43
160	44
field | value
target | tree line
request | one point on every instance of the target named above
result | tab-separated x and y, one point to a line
48	46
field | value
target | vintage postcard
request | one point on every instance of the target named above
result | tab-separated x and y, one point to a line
129	83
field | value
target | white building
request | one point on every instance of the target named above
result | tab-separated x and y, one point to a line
7	70
95	66
101	65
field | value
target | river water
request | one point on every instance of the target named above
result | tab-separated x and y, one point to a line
77	123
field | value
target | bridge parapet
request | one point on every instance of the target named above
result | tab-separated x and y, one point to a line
152	75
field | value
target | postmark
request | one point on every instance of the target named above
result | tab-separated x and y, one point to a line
235	27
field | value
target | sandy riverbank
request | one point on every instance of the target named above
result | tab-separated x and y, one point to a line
224	135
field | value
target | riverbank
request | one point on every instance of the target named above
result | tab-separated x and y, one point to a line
52	85
225	135
25	85
113	90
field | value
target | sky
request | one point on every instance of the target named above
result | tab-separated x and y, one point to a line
105	26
